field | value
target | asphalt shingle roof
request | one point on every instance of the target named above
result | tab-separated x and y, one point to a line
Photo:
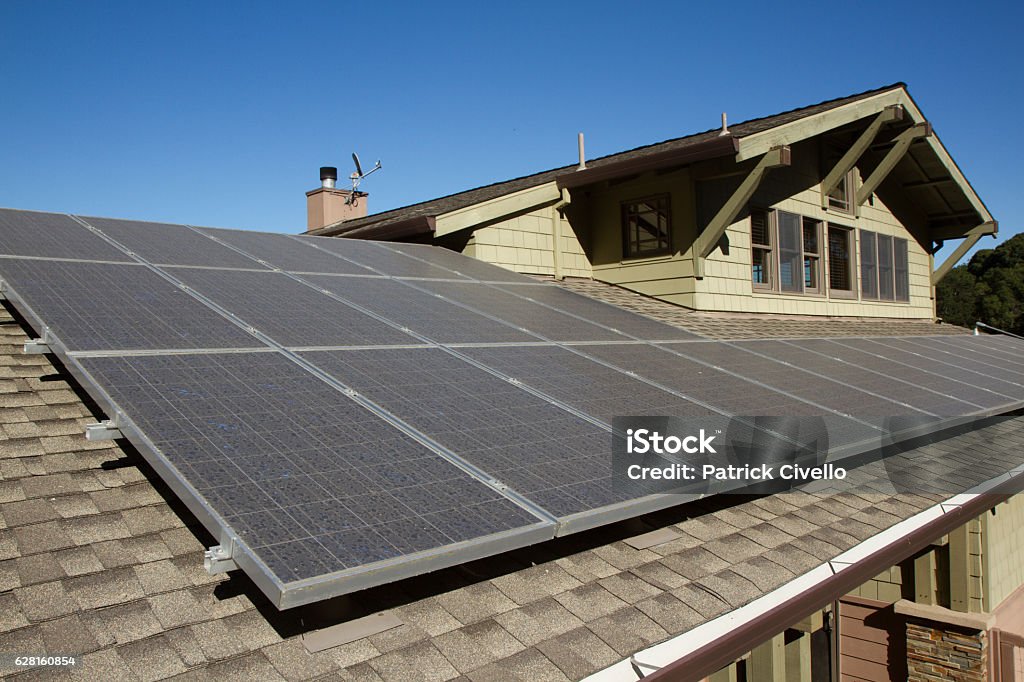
99	559
451	202
726	326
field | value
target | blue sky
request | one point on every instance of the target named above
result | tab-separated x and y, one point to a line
221	114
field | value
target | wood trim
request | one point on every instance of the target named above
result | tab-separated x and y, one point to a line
961	250
893	112
893	157
699	151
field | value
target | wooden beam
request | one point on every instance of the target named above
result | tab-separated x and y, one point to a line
901	146
767	663
959	570
726	674
493	210
798	657
971	238
893	112
707	240
924	578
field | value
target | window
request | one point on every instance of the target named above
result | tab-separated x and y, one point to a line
885	274
790	252
840	268
785	252
839	197
812	255
646	227
760	243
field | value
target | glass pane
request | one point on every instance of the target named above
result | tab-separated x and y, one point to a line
811	236
839	259
810	272
902	270
647	226
868	265
759	228
760	273
790	252
885	281
839	197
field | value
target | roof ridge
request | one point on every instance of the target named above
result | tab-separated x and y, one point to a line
368	219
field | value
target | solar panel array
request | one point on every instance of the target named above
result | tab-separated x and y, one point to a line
345	413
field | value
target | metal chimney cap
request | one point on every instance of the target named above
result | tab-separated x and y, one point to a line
328	173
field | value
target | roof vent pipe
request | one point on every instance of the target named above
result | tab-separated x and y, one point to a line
583	159
725	126
328	176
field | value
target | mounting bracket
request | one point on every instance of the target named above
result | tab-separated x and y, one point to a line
104	430
217	559
36	347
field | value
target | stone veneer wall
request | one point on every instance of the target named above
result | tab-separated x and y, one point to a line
942	652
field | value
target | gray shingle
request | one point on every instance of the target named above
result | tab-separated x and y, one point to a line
476	645
578	653
535	582
590	602
152	659
538	621
475	602
421	661
628	630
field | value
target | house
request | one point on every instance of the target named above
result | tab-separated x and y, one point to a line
897	575
99	559
834	209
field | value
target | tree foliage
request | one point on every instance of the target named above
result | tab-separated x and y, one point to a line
989	288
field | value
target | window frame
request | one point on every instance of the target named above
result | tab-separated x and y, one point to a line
851	260
773	249
819	285
892	267
624	213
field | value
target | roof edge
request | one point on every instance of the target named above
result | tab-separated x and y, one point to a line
737	641
722	146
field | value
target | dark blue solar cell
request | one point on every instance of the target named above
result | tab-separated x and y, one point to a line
521	439
163	243
52	235
99	306
285	252
312	482
288	311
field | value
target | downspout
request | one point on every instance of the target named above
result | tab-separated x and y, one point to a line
717	643
556	230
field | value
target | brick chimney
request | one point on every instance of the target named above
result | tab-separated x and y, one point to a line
327	204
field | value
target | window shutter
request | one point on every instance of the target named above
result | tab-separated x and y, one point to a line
885	273
868	265
791	262
902	269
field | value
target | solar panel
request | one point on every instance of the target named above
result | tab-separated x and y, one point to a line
163	243
464	265
419	311
920	372
380	259
51	235
602	313
848	372
985	348
288	311
965	364
727	392
100	306
285	252
792	379
313	484
540	450
364	453
586	385
551	324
